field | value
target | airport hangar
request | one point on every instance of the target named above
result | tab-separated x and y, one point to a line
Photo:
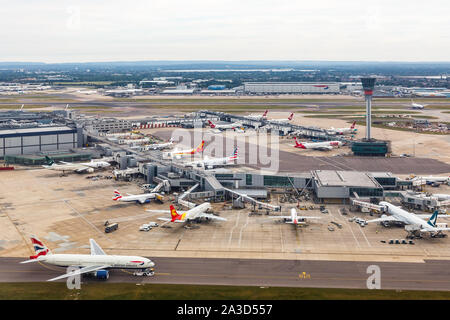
21	141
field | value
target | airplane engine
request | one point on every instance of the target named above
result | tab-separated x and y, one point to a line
102	274
90	170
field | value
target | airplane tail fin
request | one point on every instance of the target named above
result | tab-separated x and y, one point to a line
433	219
200	146
353	125
212	125
117	195
39	248
49	160
175	215
265	113
235	153
291	116
298	144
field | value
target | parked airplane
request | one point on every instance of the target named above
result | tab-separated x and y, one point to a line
432	179
294	218
138	198
291	116
158	146
75	167
196	213
210	163
341	131
321	146
258	117
97	263
225	126
399	215
178	154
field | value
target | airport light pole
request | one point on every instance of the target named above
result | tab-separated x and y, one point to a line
368	86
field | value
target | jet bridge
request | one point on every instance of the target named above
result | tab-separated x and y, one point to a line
260	204
185	203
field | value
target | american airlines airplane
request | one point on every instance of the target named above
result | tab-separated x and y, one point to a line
197	213
342	131
294	218
321	146
210	163
225	126
397	214
178	154
291	116
258	117
138	198
75	167
97	263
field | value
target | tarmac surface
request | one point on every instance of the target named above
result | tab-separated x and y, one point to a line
295	162
431	275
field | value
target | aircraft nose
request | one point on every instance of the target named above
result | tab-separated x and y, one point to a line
150	263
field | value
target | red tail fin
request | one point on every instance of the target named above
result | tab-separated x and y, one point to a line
212	125
291	116
265	113
353	125
298	144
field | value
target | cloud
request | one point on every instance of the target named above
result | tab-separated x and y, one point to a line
56	31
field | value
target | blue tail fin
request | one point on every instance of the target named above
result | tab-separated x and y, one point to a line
433	219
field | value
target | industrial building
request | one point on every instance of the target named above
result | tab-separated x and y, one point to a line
38	139
292	87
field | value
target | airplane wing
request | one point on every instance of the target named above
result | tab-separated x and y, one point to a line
305	217
80	271
169	220
95	248
385	219
34	260
81	169
158	211
211	216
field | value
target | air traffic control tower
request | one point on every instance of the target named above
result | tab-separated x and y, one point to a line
369	146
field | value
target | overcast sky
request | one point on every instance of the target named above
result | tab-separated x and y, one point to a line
110	30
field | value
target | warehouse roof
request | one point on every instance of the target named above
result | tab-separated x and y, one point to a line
37	130
345	179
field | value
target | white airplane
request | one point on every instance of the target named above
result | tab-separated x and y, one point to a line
291	116
341	131
96	263
138	198
208	163
417	220
158	146
75	167
21	108
431	179
178	154
294	218
321	146
417	105
196	213
258	117
225	126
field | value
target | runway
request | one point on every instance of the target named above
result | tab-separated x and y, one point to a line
431	275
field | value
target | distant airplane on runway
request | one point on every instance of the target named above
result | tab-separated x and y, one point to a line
97	263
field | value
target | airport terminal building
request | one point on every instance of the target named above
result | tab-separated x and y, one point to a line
292	87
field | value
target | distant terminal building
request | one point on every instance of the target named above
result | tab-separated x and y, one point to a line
292	87
39	139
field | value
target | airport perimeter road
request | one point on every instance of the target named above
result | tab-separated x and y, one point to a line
431	275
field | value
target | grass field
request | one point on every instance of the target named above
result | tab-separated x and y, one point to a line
126	291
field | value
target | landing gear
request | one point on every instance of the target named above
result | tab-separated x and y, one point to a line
145	273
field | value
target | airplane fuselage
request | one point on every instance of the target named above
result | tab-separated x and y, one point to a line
84	260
